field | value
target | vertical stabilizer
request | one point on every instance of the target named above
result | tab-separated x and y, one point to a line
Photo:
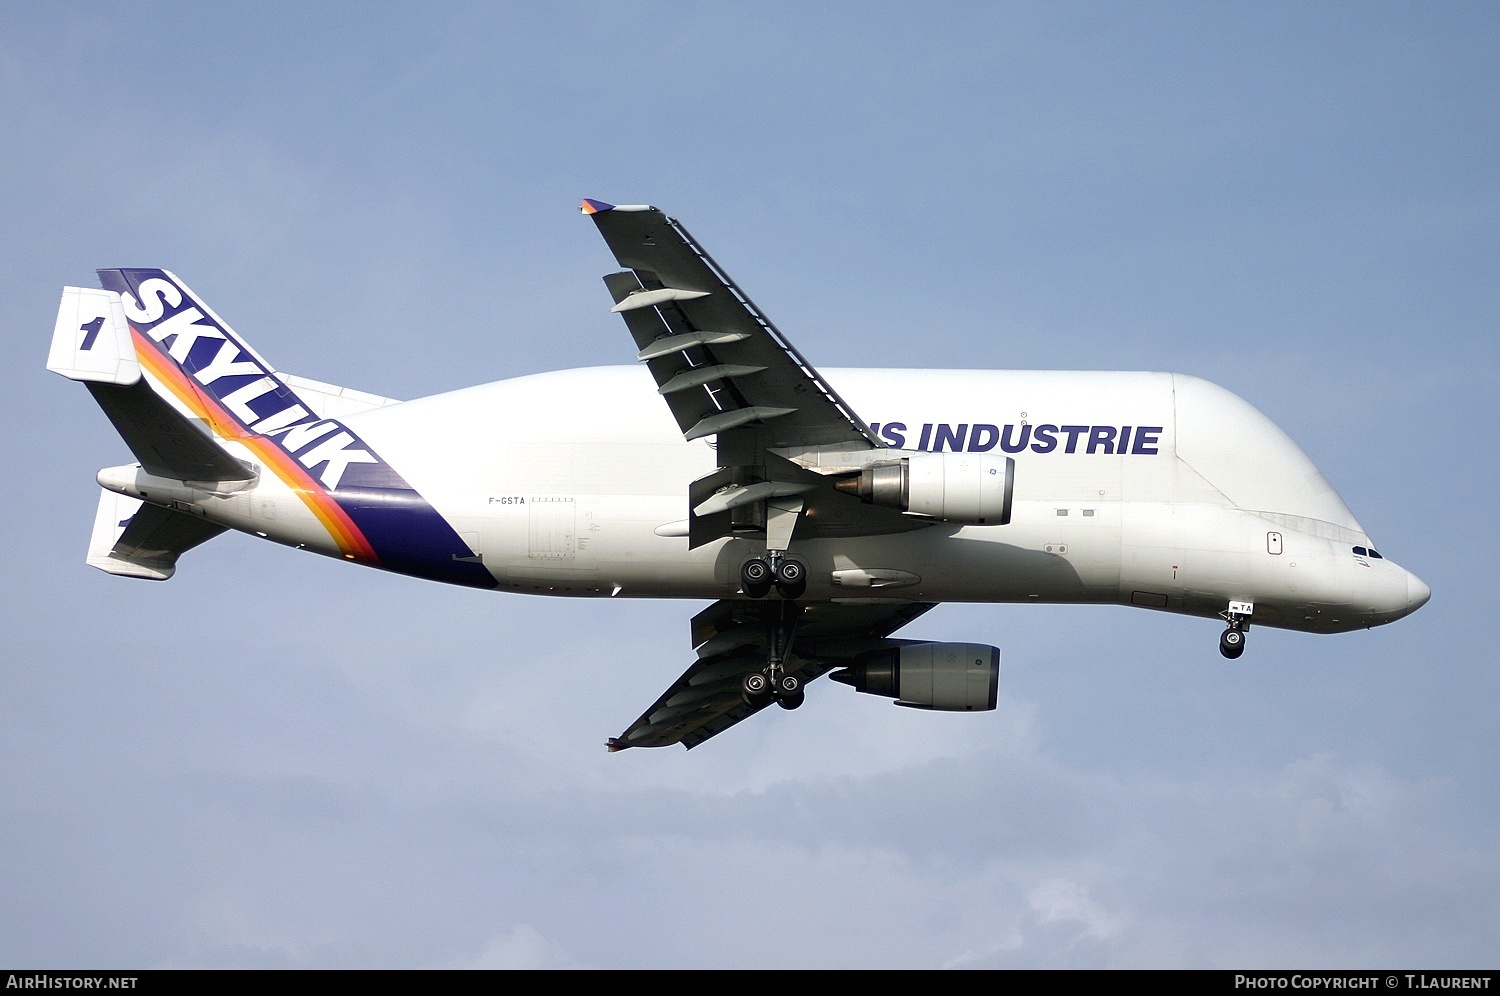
197	405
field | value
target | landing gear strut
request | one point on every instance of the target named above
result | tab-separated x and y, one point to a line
758	576
789	577
1237	621
773	681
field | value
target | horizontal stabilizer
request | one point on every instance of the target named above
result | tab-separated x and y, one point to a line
136	540
165	441
91	341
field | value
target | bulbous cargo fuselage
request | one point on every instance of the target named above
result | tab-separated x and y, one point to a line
1146	489
1152	490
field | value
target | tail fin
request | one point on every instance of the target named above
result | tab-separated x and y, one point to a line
195	357
92	342
209	369
197	405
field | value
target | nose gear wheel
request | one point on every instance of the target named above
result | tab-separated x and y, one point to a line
1236	620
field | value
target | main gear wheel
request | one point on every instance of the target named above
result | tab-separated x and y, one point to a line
756	577
791	578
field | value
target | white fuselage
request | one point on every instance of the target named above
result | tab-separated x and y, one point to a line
576	483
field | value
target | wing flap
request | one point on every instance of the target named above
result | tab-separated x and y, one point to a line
669	344
733	418
698	376
651	298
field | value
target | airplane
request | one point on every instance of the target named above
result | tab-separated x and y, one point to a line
723	466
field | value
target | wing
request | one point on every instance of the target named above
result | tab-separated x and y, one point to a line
732	640
726	371
718	361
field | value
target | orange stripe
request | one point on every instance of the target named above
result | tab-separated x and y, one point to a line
350	539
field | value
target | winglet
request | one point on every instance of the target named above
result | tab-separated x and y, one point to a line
591	206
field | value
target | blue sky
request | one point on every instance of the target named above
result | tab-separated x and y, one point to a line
275	759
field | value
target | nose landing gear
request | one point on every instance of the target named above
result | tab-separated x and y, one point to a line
1237	621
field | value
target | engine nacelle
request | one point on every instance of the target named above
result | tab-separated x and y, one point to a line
952	677
974	488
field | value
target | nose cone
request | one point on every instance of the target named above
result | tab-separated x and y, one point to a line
1417	593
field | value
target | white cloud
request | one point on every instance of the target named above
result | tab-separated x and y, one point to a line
523	947
1060	900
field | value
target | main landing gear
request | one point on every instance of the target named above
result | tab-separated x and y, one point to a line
759	688
774	681
759	575
1237	621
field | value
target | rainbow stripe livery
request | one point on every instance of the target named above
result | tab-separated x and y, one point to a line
369	511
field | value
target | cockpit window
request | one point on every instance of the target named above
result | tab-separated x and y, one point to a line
1372	553
1375	553
1361	551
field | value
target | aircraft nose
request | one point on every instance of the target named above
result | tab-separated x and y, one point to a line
1417	592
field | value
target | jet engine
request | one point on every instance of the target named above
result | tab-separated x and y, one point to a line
952	677
973	488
